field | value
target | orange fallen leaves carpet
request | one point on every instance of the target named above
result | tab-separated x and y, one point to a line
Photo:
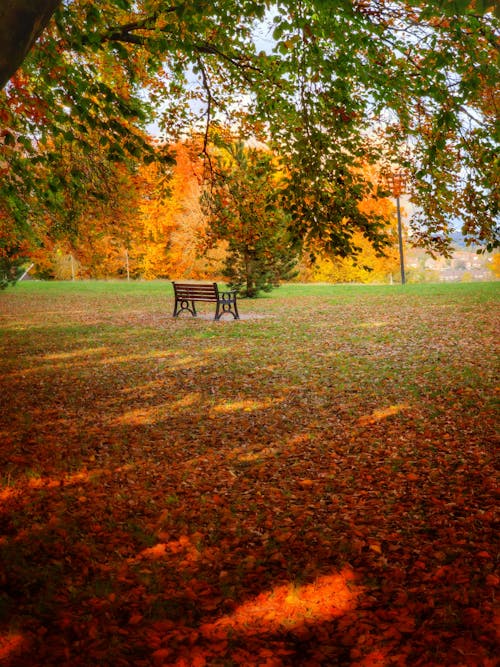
297	489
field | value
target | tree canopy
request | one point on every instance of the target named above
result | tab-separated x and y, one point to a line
330	86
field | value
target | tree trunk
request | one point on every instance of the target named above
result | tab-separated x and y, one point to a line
21	23
249	271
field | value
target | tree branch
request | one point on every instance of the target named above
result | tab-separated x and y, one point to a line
126	34
208	113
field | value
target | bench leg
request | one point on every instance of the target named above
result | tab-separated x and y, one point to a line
227	307
183	304
217	311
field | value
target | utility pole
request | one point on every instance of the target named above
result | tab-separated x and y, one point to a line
400	237
397	184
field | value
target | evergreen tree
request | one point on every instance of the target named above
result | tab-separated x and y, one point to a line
242	203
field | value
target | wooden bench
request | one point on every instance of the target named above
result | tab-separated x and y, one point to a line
187	294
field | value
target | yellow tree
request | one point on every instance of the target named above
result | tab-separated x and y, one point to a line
369	266
495	265
157	213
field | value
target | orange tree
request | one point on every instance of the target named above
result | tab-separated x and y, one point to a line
243	206
91	213
171	216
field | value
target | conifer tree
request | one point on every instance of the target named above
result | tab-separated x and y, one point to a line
242	203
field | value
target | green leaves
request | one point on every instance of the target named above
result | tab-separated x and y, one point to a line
347	84
460	7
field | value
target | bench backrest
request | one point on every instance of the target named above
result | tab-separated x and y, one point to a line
196	291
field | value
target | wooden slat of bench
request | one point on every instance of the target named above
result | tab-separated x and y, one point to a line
190	297
196	292
195	285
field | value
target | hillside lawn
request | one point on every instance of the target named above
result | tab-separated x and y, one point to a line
311	485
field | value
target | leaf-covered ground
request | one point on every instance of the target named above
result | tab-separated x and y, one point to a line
312	485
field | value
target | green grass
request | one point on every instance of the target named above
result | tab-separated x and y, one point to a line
289	290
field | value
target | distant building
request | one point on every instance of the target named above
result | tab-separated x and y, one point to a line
465	264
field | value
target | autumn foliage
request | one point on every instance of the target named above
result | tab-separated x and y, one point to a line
311	485
337	86
150	223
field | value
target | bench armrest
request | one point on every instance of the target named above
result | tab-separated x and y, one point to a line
228	295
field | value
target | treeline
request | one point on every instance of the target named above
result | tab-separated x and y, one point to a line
184	222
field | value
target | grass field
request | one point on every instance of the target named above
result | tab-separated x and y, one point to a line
311	485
